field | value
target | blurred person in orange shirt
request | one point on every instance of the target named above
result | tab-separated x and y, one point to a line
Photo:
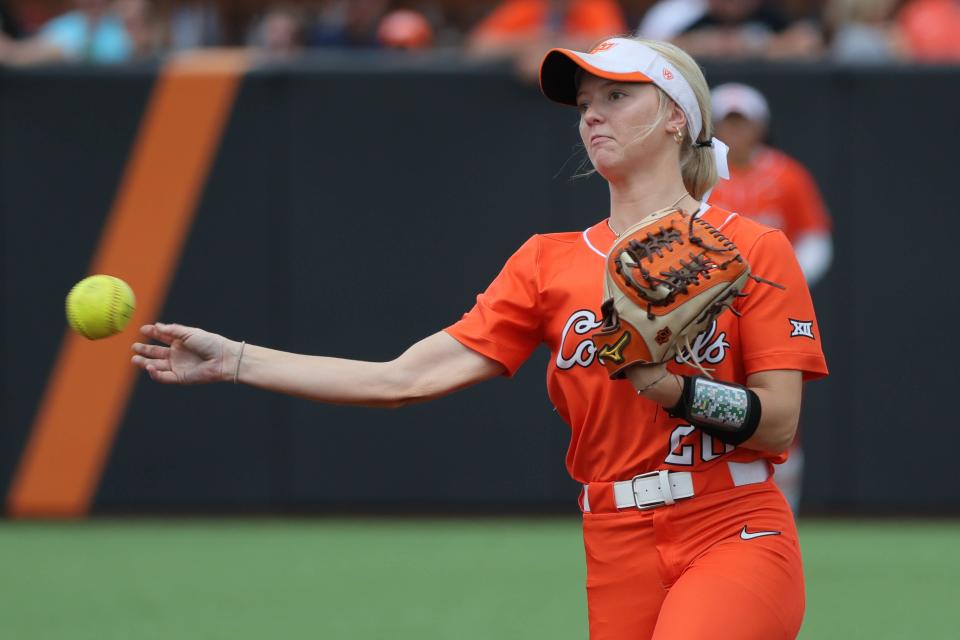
932	30
774	189
524	29
766	184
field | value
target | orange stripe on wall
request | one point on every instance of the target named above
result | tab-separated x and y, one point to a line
91	382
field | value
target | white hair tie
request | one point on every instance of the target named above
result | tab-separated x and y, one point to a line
720	150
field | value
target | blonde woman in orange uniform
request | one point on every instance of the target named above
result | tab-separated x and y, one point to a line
686	535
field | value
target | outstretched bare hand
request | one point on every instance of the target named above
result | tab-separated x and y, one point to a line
191	355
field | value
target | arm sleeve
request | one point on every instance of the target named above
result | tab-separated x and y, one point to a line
814	253
505	324
778	327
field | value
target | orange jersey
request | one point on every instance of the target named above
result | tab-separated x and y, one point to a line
774	190
586	18
550	292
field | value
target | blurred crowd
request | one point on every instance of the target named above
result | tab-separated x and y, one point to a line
112	31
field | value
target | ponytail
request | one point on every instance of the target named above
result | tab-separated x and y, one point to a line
698	168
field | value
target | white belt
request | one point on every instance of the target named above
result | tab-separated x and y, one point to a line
658	488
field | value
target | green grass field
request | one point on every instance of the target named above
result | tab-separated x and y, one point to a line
415	578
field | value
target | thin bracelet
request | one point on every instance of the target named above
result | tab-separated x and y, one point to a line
654	383
236	372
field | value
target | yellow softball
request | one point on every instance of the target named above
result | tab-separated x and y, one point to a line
100	306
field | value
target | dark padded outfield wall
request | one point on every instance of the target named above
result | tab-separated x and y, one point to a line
65	137
355	208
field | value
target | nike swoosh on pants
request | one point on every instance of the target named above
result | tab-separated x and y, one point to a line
748	535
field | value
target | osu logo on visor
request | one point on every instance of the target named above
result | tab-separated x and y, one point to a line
603	46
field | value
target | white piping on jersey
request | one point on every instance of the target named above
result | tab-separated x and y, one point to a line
590	244
699	212
729	218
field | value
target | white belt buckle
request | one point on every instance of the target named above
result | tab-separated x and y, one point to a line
666	496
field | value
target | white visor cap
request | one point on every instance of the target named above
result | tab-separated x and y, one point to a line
621	60
739	98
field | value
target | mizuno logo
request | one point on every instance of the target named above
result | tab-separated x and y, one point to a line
750	535
614	352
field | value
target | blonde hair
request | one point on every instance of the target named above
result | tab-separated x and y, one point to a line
697	165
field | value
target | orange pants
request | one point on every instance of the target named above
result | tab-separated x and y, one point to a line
684	571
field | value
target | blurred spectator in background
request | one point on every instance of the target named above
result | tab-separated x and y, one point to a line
280	33
143	30
369	24
766	184
746	29
862	31
195	24
8	24
771	187
932	30
668	18
348	23
524	30
405	29
91	32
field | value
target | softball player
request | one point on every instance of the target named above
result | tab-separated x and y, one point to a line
685	533
766	184
774	189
